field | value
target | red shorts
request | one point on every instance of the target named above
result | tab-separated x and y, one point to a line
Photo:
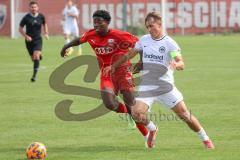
120	80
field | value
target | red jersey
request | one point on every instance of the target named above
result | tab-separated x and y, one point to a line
110	47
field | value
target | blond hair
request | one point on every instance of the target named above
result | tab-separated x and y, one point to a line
154	15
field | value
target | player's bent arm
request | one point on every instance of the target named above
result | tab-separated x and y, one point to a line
137	67
45	30
20	29
111	69
28	38
73	15
178	63
73	43
131	53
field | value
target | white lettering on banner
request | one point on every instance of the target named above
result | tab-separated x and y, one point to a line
119	15
169	15
234	17
87	12
110	8
184	14
201	15
218	14
137	14
154	7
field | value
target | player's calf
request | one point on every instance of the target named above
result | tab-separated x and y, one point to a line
139	113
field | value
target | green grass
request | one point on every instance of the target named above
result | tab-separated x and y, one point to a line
210	85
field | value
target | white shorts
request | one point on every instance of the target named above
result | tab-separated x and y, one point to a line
169	100
71	29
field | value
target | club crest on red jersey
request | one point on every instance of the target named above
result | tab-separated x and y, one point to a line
110	41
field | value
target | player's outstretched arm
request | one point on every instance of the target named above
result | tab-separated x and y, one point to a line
111	69
131	53
137	67
177	63
74	42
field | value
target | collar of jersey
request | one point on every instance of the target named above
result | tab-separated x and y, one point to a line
35	15
109	30
159	39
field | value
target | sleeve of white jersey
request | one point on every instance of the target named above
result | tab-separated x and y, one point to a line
173	46
75	10
174	49
138	46
64	11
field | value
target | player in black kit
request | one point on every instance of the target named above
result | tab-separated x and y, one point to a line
34	22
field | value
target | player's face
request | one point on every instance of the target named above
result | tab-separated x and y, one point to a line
69	3
100	26
34	8
154	28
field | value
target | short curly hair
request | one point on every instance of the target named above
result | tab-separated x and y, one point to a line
103	14
33	2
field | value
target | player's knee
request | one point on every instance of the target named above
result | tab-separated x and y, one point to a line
36	58
36	55
136	114
140	118
111	106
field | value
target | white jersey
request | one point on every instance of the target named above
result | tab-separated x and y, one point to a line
69	19
156	57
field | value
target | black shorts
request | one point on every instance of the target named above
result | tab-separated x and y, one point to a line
34	45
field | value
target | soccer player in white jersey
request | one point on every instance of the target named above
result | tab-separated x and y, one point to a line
160	57
70	25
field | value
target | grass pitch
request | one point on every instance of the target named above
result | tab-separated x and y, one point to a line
210	85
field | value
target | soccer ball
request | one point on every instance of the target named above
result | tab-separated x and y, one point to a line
36	150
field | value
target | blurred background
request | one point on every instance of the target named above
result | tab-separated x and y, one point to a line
208	32
180	16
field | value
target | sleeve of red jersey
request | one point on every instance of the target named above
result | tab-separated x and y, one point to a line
133	39
84	37
128	41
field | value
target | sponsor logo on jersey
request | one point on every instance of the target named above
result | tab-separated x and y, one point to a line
35	22
104	50
154	57
3	15
162	49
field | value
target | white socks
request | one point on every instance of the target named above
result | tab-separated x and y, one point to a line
151	126
202	135
146	137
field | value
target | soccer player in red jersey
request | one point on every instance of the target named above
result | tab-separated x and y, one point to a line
109	45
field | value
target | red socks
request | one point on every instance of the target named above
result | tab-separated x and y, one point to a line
122	108
142	129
